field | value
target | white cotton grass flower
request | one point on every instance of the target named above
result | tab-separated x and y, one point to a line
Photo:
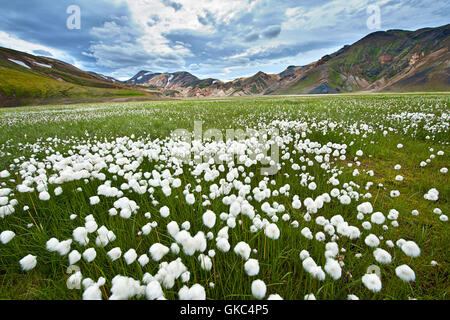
91	226
377	217
372	240
223	245
80	235
372	282
6	236
164	212
196	292
124	288
174	248
274	296
393	214
296	204
365	208
94	200
143	260
394	193
58	191
382	256
92	293
205	262
4	201
312	268
272	231
63	247
185	276
333	268
251	267
44	196
400	242
89	254
146	229
310	296
243	250
186	225
405	273
130	256
411	249
52	244
366	225
259	289
87	282
209	219
443	218
190	198
345	199
304	254
432	194
28	262
4	174
158	251
352	297
306	232
312	186
114	253
153	290
74	257
320	236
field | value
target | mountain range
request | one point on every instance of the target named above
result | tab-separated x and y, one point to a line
383	61
393	60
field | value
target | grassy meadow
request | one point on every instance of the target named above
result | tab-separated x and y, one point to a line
124	141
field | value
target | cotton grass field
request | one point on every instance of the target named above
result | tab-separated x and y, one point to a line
98	201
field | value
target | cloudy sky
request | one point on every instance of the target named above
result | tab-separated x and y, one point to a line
222	39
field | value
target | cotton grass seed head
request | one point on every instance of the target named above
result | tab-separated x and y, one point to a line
259	289
411	249
251	267
158	251
405	273
89	254
243	250
372	282
6	236
28	262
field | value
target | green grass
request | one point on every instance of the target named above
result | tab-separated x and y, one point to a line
280	266
23	87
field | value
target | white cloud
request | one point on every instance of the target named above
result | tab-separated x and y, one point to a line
10	41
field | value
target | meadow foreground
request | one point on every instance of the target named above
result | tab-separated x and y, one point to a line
339	197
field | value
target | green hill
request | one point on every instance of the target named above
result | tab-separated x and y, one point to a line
27	79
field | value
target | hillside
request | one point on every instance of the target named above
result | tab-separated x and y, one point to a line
394	60
28	79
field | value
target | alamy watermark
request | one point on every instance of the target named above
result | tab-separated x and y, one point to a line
241	147
70	284
73	22
374	20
